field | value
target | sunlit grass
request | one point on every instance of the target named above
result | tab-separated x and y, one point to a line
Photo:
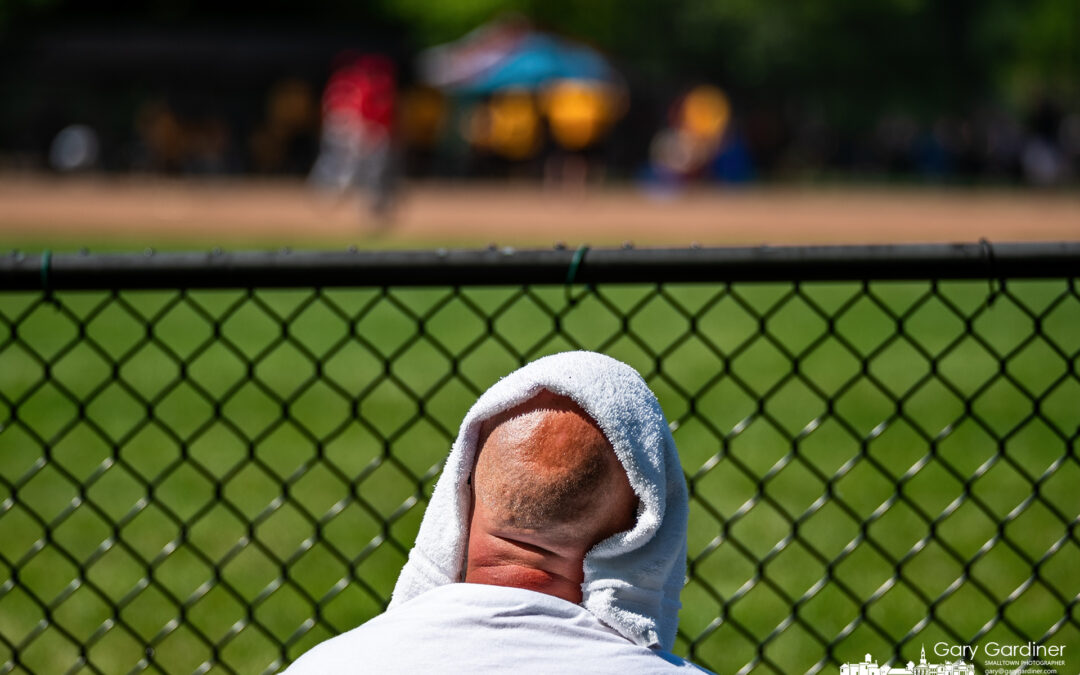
169	461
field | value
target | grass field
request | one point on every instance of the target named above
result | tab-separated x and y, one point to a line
179	470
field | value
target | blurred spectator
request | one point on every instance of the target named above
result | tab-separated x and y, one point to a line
356	149
422	122
894	142
161	136
931	154
508	125
75	148
580	114
699	121
1002	139
170	144
423	111
208	142
733	164
1070	140
281	142
1042	158
1042	162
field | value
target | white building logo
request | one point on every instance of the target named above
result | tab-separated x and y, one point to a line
869	667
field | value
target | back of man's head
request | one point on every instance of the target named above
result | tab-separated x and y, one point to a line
547	487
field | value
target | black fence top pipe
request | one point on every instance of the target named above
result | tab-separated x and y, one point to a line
507	266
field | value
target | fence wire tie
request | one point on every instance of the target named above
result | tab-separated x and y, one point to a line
571	274
46	286
991	271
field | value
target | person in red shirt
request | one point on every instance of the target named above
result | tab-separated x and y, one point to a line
357	133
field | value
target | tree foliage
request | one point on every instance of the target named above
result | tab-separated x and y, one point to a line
920	55
845	56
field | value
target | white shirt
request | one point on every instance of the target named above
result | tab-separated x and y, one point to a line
476	628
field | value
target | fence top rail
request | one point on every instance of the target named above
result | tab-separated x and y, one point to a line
507	266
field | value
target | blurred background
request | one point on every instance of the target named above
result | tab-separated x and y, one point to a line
405	122
169	457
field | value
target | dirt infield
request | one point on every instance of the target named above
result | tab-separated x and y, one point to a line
37	210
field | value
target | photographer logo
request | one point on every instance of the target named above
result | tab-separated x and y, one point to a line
869	667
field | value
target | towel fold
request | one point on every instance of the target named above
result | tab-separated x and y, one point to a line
632	579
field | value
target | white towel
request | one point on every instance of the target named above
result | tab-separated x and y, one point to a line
632	579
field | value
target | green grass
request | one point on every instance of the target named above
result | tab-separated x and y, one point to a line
146	440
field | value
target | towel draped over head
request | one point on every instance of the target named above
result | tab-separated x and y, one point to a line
632	579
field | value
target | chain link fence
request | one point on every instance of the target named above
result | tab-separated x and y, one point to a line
221	474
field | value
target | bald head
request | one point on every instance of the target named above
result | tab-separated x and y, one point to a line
547	486
545	465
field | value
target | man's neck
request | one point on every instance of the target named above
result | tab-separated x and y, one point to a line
502	561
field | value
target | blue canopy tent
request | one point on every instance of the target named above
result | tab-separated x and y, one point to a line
500	56
538	59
